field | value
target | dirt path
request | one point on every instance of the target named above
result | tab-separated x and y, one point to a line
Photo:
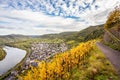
112	55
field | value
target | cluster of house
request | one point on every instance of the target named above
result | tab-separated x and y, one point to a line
43	51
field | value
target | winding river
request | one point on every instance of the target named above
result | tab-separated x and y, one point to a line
13	57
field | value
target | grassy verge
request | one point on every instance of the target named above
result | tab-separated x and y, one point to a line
96	67
114	46
114	43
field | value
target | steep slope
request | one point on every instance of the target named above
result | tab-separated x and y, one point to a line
84	62
112	29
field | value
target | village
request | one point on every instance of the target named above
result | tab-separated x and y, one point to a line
43	51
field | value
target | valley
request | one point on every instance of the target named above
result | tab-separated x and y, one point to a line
77	55
46	47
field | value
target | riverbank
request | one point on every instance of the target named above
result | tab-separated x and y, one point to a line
2	54
15	62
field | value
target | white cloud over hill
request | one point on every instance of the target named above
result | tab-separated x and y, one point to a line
36	17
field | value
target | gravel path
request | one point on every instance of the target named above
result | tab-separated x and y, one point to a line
112	55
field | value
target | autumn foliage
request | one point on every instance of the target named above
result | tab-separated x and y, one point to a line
59	68
113	18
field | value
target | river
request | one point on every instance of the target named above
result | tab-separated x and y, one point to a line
13	57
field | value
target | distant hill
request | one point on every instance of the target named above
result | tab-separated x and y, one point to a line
89	33
12	38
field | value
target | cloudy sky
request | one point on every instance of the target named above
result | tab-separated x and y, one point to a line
37	17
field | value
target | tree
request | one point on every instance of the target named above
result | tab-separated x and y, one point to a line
113	18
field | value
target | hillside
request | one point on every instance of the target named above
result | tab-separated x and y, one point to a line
13	38
59	39
84	57
83	35
89	33
83	67
84	62
112	29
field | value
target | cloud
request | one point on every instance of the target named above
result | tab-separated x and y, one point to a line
33	23
2	27
41	17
